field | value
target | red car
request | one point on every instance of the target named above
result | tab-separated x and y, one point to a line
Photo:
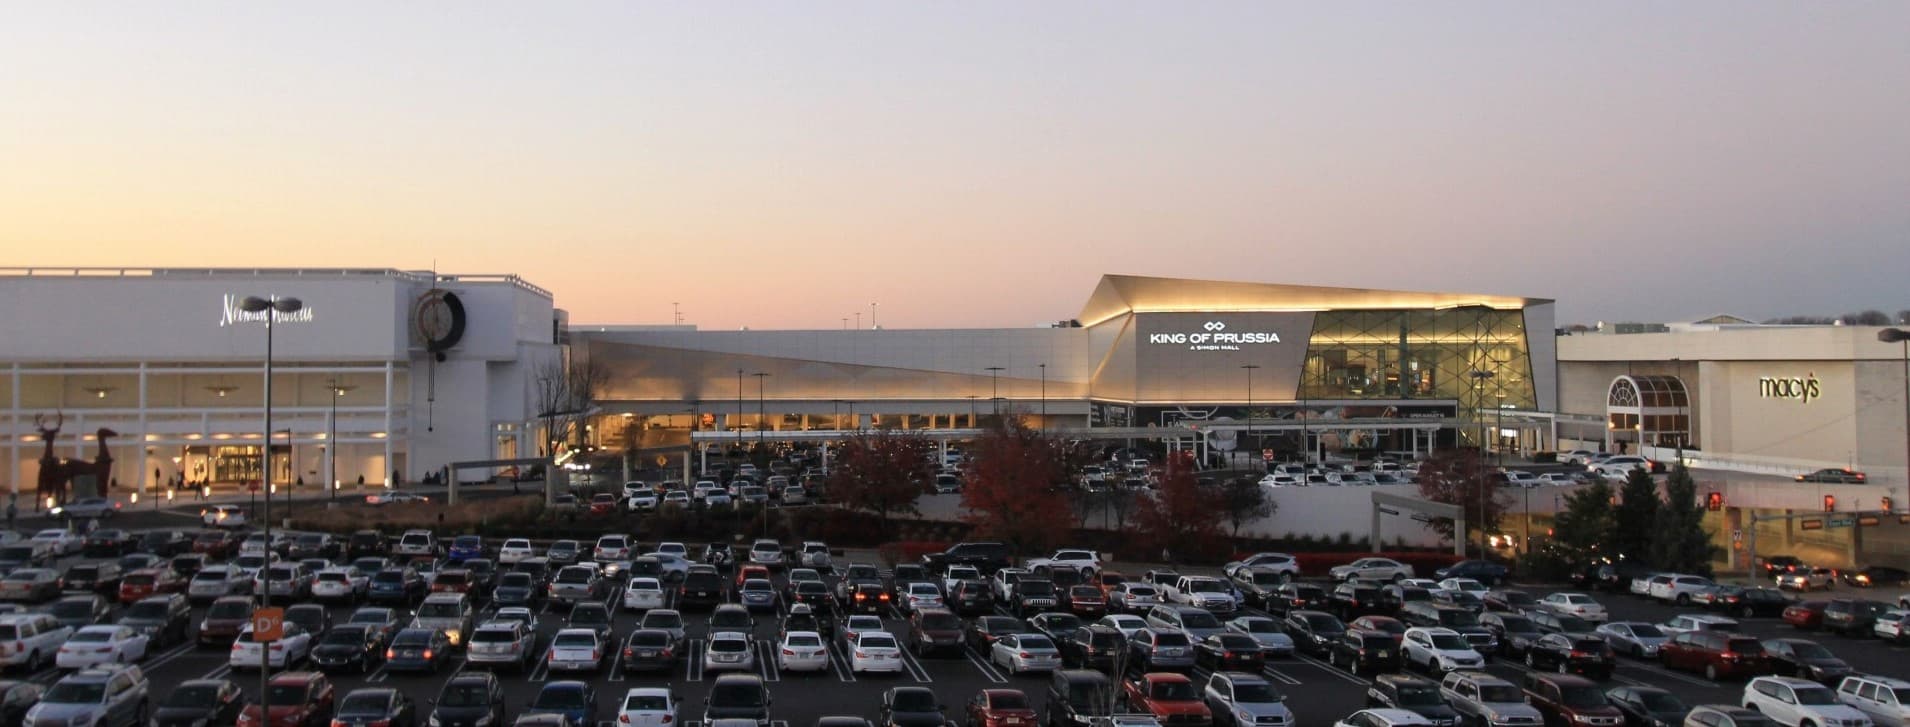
1383	624
452	580
1718	654
603	503
1000	708
1805	616
299	699
215	544
750	571
1088	602
1108	581
1170	697
149	582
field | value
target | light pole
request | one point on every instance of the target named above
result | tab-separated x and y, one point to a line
971	410
1044	395
1249	368
1901	336
762	418
271	307
331	438
1479	480
1306	446
739	408
994	389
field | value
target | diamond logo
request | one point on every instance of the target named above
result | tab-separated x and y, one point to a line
1215	326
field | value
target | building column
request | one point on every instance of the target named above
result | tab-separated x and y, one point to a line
389	462
13	441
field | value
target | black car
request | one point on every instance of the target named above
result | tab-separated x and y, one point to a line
1749	602
1805	659
737	696
197	702
311	616
699	589
1035	596
1313	631
77	612
1413	694
1648	706
986	557
1055	626
1363	652
109	542
365	543
165	543
983	631
1351	601
1229	651
910	707
1483	571
1509	600
1296	596
970	598
1876	576
16	697
165	618
102	578
381	706
1588	655
1078	698
470	698
354	647
1515	633
1095	646
1852	617
187	565
517	589
868	597
650	650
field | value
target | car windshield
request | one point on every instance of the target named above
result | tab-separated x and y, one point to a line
1646	631
443	609
1323	623
65	692
73	608
1037	642
229	610
804	640
660	620
1457	618
1661	702
1810	650
514	580
941	622
146	610
286	693
649	639
369	704
1088	698
1142	591
90	637
1208	587
1500	693
344	637
1419	696
582	640
1199	620
1174	690
192	696
1744	646
369	616
1256	693
493	636
1449	642
646	703
1574	624
1036	588
1259	626
137	579
563	698
388	576
913	700
875	642
465	695
1170	638
1815	696
736	695
1581	697
1008	700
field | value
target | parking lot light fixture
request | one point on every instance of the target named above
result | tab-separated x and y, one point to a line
271	306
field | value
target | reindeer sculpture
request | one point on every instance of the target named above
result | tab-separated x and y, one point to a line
56	474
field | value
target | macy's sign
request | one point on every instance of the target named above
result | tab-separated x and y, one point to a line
1803	389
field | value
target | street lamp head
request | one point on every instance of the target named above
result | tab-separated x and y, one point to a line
255	304
1893	335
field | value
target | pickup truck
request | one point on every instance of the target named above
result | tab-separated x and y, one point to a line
1205	592
576	583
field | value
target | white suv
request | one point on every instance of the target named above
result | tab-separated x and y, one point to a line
1679	589
416	543
1794	702
1440	650
30	639
1884	699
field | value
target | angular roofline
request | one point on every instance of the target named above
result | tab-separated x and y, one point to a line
1118	294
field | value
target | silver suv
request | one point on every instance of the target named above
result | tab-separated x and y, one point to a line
503	643
1248	700
447	612
1488	701
104	696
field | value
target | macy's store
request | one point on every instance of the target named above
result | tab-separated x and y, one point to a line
365	385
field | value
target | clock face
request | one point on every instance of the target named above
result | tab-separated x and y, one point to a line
439	319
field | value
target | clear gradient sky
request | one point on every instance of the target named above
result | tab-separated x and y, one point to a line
783	165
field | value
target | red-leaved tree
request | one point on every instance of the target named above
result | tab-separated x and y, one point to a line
882	472
1181	518
1460	477
1013	485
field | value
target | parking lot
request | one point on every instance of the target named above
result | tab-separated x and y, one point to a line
1317	693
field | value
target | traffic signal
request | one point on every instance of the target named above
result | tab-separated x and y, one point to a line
1830	503
1887	504
1714	501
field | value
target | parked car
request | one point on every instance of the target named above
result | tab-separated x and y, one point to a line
1570	700
1794	702
1717	654
1413	694
1590	656
1647	706
1806	660
199	701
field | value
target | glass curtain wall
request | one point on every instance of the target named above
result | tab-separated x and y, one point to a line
1422	354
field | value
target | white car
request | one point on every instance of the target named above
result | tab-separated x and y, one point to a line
515	550
1808	580
59	541
1634	638
1620	467
1377	569
728	650
1794	702
766	552
1439	650
1126	623
1886	700
802	651
958	573
1467	585
648	707
1575	604
1691	623
813	553
216	581
102	644
292	647
1679	589
1578	456
643	594
611	548
339	584
1893	626
921	595
678	498
1277	480
576	650
1276	563
875	651
1083	561
672	547
1383	718
223	516
1020	653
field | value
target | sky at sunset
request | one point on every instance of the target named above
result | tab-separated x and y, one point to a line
784	165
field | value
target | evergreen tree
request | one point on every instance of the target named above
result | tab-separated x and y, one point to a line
1636	517
1679	543
1583	530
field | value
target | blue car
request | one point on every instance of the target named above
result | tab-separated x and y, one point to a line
574	700
466	547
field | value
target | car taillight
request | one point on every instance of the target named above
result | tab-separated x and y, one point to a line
666	719
389	653
624	718
860	654
340	723
1576	654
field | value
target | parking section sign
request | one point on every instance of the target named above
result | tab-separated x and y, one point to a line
268	624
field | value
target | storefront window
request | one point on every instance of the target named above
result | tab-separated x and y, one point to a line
1421	354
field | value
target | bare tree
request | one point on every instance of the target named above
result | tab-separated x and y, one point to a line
564	392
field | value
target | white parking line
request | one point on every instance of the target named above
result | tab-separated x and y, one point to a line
1669	674
839	663
766	662
1330	669
696	660
987	669
160	659
539	673
915	668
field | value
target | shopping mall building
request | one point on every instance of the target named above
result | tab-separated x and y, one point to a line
380	372
387	372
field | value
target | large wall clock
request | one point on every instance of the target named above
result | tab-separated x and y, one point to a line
439	320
